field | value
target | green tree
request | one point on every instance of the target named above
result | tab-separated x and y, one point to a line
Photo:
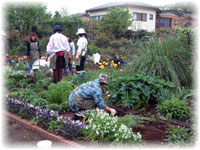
115	23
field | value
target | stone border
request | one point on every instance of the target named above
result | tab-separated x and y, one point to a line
41	131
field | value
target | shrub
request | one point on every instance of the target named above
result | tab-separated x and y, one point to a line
53	107
179	135
175	108
137	90
92	49
103	127
64	107
102	41
58	93
42	103
167	59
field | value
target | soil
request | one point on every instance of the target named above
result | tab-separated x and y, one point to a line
17	135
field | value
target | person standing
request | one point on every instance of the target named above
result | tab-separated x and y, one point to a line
33	50
56	49
73	51
81	51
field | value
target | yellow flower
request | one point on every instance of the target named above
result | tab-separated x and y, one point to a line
95	63
101	67
119	63
106	64
100	63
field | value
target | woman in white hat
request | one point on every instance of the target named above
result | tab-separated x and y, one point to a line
81	51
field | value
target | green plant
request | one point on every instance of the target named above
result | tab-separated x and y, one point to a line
137	90
42	103
53	107
54	126
167	59
64	107
179	135
132	120
92	49
174	108
58	93
14	94
25	94
103	127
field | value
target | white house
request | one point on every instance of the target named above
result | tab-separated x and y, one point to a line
143	15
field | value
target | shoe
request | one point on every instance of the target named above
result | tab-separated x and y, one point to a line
80	113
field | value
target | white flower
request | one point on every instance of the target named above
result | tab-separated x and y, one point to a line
97	132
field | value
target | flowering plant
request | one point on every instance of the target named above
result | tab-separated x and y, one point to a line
105	128
46	118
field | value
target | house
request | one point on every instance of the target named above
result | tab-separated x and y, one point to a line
172	19
143	15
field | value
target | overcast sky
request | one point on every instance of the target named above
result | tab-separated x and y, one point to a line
79	6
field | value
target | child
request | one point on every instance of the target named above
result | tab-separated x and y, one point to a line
81	51
33	50
72	46
56	49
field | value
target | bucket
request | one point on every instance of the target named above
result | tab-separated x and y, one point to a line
44	144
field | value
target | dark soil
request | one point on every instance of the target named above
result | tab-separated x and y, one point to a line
154	131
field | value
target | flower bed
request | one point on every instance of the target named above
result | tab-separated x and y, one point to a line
45	117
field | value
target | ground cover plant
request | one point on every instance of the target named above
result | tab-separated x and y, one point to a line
137	90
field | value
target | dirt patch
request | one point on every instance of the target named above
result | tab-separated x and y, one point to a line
152	132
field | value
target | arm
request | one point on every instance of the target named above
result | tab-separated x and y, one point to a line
50	45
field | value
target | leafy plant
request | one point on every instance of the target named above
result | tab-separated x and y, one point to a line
174	108
53	107
137	90
64	107
179	135
42	103
132	120
58	93
103	127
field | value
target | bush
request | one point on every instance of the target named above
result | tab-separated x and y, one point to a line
53	107
137	90
167	59
179	135
42	103
64	107
102	41
176	109
92	49
58	93
105	128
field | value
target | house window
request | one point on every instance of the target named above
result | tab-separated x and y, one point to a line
150	16
139	16
165	22
99	17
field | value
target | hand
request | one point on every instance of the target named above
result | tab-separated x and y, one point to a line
77	58
27	57
113	110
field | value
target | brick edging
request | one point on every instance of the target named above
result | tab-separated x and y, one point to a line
41	131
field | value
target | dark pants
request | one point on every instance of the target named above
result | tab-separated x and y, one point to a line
58	72
82	64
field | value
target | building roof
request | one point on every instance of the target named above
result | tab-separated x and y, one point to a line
122	4
172	12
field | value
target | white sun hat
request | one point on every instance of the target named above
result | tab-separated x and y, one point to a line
81	31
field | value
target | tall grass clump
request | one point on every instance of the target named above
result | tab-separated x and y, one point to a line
166	58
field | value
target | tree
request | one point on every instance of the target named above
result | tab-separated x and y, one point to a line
26	18
115	23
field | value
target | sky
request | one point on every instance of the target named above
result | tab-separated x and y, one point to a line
79	6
